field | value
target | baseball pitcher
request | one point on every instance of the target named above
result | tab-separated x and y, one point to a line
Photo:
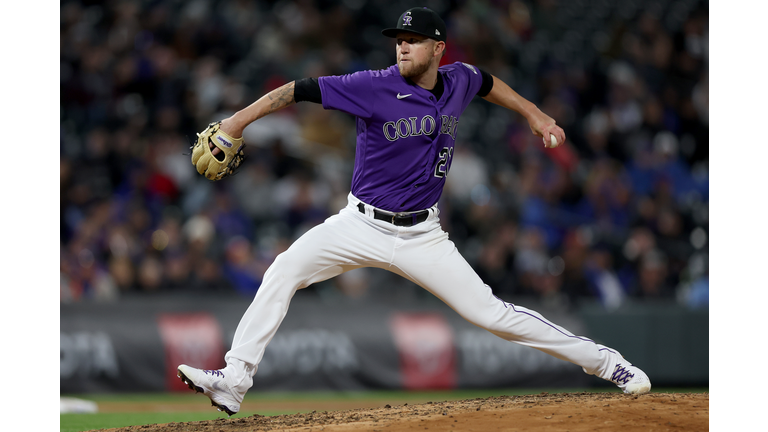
407	120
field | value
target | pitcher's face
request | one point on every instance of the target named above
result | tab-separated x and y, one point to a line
415	53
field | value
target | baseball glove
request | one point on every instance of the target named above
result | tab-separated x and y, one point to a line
216	167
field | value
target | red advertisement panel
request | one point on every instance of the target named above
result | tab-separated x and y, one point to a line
193	339
427	354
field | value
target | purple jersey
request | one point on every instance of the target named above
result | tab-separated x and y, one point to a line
405	137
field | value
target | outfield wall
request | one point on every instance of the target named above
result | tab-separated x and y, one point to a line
136	344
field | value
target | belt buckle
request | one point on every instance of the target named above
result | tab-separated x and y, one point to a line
402	215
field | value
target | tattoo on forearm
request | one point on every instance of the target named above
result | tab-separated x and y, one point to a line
281	97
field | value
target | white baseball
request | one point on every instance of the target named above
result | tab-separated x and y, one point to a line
552	142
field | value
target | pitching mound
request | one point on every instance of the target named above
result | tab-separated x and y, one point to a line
544	412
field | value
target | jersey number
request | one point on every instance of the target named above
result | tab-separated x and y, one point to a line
444	155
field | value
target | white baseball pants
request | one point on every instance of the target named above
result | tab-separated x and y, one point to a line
421	253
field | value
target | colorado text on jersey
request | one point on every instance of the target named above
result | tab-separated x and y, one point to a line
403	128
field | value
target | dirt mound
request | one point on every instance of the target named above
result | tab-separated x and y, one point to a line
543	412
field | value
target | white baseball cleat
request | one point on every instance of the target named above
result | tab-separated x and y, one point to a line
630	379
212	383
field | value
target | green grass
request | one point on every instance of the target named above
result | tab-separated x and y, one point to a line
85	422
106	420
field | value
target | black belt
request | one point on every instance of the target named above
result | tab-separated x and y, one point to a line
398	219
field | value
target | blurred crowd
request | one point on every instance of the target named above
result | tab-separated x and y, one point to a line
619	212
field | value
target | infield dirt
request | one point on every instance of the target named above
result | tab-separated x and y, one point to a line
575	412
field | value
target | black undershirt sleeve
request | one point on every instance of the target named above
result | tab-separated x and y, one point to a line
487	85
307	89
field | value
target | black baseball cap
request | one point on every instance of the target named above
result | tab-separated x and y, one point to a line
421	20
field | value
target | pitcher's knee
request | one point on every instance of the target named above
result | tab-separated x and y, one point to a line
282	260
299	269
292	259
285	270
485	321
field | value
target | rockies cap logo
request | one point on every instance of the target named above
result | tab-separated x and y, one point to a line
407	18
419	20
